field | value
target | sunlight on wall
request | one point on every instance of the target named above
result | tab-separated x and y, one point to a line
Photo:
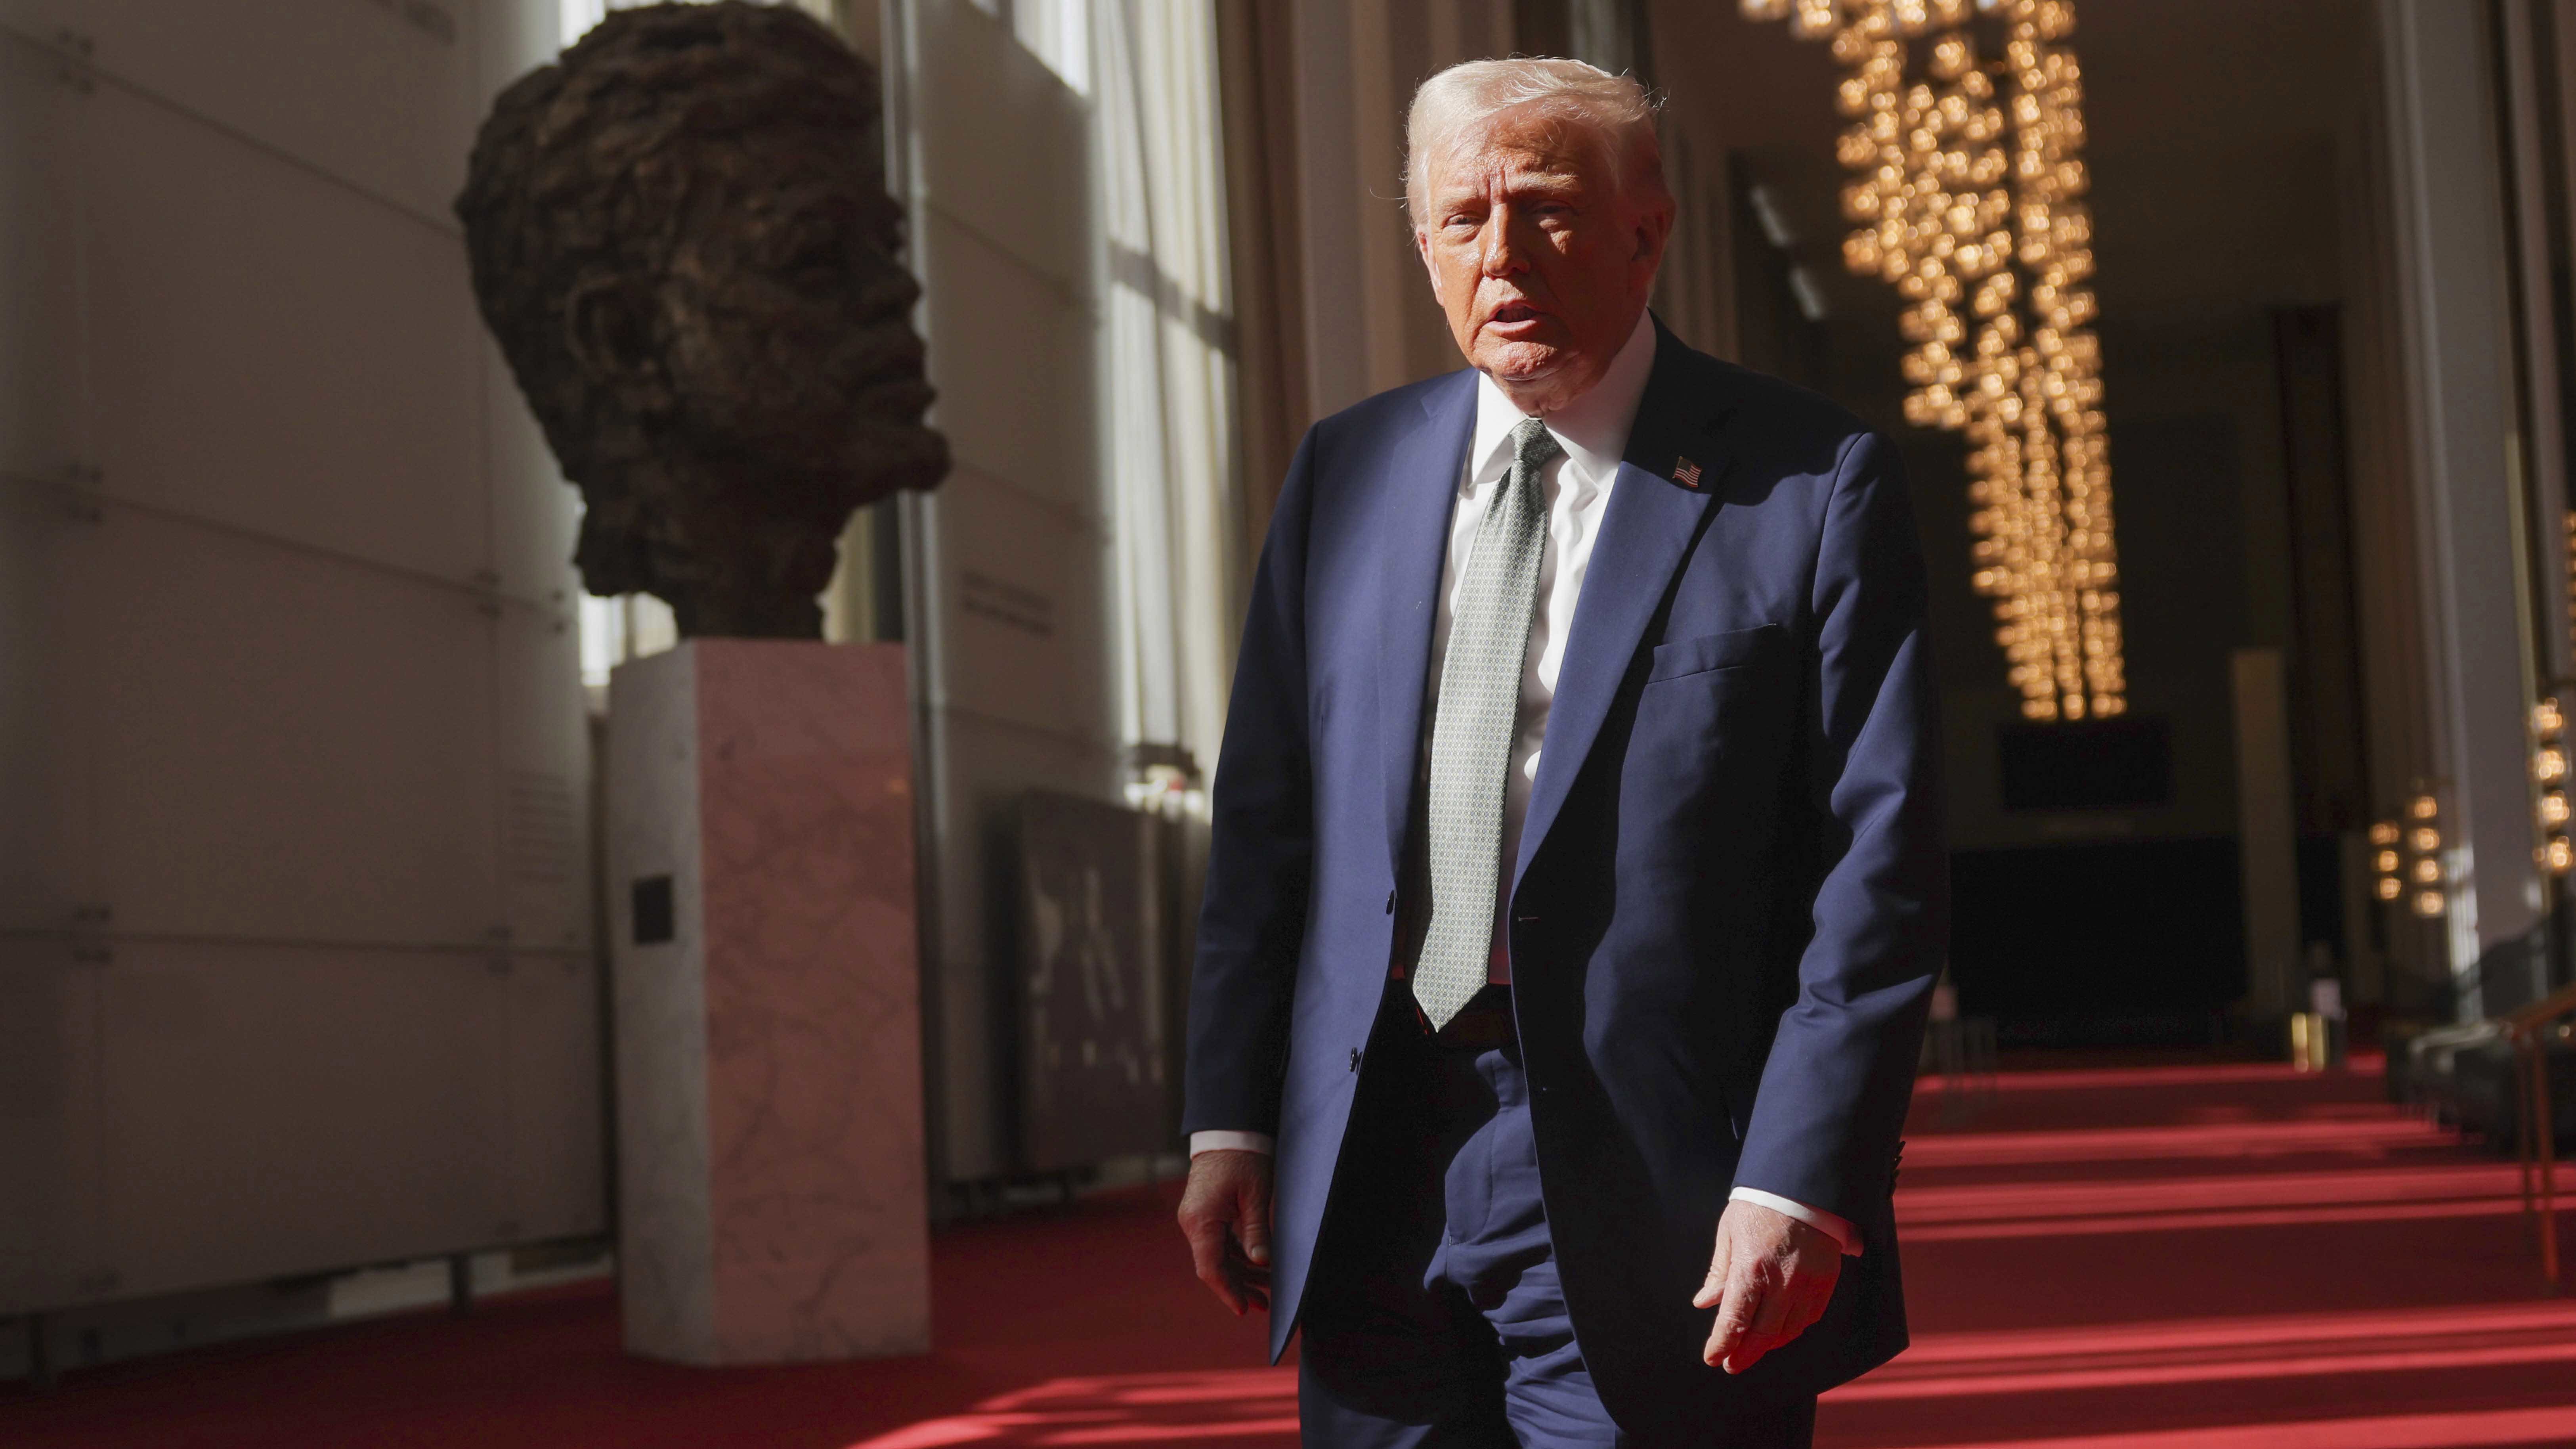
616	630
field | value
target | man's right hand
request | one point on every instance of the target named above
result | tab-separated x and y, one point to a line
1225	1213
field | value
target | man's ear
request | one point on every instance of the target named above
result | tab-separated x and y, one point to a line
1655	229
612	331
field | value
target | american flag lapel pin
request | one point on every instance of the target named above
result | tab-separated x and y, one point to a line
1686	473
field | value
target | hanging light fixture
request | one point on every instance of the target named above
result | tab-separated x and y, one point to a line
2549	770
2425	874
2387	864
1967	200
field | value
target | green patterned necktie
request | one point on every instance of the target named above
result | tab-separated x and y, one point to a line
1477	715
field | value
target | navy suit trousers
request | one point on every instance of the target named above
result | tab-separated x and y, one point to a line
1435	1319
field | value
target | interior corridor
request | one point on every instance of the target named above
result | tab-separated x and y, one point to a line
2209	1256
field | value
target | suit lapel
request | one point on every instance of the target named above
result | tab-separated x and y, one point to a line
1419	490
1675	462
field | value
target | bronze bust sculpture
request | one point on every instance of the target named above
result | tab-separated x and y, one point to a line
680	235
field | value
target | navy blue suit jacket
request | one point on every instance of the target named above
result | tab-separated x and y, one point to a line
1729	905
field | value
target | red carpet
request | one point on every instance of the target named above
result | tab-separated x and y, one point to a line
2193	1257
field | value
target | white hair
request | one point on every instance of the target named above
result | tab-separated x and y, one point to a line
1474	93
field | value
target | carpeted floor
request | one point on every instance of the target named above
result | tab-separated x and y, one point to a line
2187	1257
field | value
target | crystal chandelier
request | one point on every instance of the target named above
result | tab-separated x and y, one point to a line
1968	202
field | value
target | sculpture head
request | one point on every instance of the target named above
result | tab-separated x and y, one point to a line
681	237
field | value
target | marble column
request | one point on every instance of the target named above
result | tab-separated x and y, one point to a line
772	1200
2267	837
2455	306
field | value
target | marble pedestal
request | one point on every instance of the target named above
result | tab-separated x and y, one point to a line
771	1204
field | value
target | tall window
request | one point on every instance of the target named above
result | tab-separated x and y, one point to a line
614	630
1055	31
1167	335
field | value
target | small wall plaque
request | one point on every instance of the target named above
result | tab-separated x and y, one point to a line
653	917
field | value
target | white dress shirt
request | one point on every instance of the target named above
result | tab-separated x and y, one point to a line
1592	436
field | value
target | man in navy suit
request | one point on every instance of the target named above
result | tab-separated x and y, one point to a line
1577	888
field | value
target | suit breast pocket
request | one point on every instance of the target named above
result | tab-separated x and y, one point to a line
1731	649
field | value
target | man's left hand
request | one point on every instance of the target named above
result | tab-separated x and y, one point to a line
1770	1278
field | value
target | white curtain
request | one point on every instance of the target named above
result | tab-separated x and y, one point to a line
1168	367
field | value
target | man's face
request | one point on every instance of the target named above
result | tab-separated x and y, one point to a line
1539	256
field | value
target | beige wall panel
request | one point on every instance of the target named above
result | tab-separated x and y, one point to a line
511	38
1018	594
536	515
302	747
1011	626
380	95
2267	834
1011	355
558	1124
1002	141
231	708
274	352
983	769
1018	702
49	1101
273	1110
49	764
544	782
41	438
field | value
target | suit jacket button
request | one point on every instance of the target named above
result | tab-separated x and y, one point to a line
1390	903
1355	1059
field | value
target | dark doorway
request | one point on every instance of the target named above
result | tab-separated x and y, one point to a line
2134	943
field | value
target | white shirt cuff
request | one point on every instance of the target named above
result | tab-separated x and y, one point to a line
1232	1142
1838	1229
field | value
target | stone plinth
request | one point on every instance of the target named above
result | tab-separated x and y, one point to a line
760	852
